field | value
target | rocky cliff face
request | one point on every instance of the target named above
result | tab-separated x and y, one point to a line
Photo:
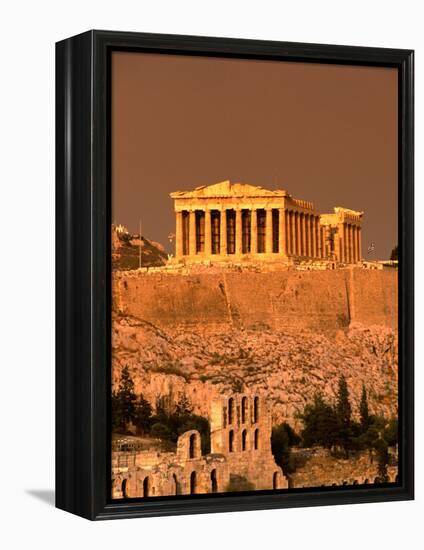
285	366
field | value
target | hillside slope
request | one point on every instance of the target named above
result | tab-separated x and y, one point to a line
287	367
131	252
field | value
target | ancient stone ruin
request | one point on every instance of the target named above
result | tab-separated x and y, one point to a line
227	220
240	450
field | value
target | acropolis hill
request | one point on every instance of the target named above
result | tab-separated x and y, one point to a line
282	313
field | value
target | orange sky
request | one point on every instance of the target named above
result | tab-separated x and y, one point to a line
325	133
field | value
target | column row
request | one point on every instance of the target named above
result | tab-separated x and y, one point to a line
304	234
244	231
228	231
350	248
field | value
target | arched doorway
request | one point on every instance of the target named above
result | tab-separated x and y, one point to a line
176	484
231	441
193	483
214	482
256	439
256	409
243	440
243	409
192	446
230	410
275	480
124	488
146	486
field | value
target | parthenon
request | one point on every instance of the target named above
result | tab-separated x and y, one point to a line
227	220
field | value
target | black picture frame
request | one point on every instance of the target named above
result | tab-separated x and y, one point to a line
83	273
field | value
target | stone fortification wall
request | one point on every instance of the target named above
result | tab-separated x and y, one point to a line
314	300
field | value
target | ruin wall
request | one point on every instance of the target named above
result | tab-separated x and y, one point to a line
322	301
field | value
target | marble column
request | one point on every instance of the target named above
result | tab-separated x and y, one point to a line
178	234
304	235
298	235
312	236
288	232
341	242
268	231
239	240
317	239
360	244
253	231
282	237
223	232
356	244
292	233
345	247
192	233
208	233
350	244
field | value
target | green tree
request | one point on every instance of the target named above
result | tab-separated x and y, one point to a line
343	408
184	405
283	437
143	414
124	408
344	415
383	460
390	433
320	424
160	431
363	411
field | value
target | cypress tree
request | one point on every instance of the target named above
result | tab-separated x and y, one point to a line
124	402
363	410
343	408
143	415
344	414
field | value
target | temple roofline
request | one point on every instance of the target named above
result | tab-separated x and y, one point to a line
228	189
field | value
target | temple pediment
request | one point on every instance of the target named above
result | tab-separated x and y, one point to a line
228	189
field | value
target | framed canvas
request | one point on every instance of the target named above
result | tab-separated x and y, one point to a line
234	275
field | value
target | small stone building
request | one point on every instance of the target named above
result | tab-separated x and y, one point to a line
240	449
227	221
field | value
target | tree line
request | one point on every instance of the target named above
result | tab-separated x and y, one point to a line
331	425
168	422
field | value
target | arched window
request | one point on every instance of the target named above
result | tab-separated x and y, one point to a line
366	481
176	485
214	482
146	486
243	409
193	483
192	446
230	410
243	440
124	488
275	480
256	409
256	439
231	441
